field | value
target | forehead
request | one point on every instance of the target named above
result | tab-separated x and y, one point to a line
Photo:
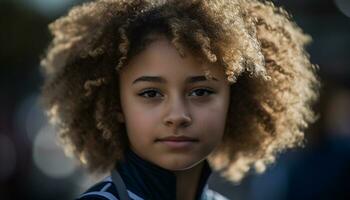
161	58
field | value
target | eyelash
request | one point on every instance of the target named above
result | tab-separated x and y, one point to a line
208	91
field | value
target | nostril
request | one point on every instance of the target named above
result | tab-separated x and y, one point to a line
182	121
177	113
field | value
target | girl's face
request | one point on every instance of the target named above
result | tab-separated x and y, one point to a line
174	116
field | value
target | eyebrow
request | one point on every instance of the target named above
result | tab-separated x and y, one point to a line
158	79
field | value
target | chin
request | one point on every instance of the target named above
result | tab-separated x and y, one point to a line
178	164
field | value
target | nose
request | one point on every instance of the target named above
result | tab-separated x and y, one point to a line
177	114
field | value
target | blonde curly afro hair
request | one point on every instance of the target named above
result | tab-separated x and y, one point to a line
260	47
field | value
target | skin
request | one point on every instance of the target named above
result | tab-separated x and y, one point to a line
154	109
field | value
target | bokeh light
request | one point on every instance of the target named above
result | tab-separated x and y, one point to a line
29	117
343	6
49	157
48	7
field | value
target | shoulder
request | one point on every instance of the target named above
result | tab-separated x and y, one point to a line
103	190
210	194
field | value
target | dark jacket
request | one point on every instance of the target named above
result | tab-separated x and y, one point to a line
146	181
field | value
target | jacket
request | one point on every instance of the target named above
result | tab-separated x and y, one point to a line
146	181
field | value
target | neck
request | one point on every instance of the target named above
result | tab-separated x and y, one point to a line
187	182
150	181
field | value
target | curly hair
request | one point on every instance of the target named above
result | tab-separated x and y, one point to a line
273	83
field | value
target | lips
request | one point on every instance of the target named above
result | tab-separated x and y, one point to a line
178	139
178	143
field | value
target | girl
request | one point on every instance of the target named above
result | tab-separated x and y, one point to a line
159	92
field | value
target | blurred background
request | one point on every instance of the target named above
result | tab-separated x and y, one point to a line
33	166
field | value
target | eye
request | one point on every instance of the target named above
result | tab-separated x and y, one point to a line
150	93
154	93
202	92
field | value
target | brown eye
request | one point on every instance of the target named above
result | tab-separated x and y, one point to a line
202	92
151	93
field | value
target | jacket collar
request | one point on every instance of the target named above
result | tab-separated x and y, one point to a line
150	181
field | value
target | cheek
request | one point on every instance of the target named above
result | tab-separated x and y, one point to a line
140	126
211	122
213	115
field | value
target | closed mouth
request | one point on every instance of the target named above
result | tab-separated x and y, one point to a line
177	139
